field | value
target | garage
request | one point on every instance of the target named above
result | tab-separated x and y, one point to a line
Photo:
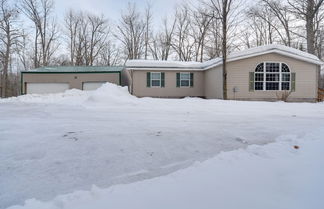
89	86
58	79
46	88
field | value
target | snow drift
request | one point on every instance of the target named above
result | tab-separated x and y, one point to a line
107	94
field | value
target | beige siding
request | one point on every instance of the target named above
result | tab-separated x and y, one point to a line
214	83
238	76
75	80
170	90
125	78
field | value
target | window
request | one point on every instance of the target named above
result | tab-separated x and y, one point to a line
259	77
272	76
184	79
155	79
285	77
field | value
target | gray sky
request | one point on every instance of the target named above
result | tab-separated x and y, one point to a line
112	8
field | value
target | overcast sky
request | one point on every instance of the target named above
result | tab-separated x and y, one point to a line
112	8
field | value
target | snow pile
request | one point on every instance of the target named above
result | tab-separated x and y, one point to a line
70	97
107	94
281	175
111	94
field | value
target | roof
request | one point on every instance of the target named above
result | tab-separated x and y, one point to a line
275	48
162	64
252	52
76	69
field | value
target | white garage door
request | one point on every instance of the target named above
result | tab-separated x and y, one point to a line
45	88
88	86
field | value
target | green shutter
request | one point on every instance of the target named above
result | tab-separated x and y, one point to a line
191	79
148	79
178	79
293	81
251	81
162	79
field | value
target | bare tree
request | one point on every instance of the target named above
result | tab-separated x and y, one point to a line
98	31
281	12
214	39
201	22
306	10
110	54
263	24
182	41
131	30
72	24
9	36
22	49
162	43
148	30
46	33
225	11
86	36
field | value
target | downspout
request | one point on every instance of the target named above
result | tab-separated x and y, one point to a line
131	75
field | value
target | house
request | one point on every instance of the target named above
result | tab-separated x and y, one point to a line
266	73
59	79
262	73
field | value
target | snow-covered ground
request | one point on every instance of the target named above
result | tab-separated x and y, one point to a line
57	144
273	176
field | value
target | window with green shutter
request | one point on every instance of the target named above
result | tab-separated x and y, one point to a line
293	81
155	79
178	79
184	79
251	81
148	79
191	79
162	79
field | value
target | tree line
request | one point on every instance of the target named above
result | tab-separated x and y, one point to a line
194	31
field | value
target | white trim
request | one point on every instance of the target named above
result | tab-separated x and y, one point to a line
264	76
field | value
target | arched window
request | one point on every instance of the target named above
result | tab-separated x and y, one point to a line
272	76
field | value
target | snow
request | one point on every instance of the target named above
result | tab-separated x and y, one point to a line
256	51
108	94
54	147
162	63
271	176
281	49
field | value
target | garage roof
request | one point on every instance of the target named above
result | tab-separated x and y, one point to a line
76	69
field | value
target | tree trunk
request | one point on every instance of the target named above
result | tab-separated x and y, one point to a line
310	27
224	50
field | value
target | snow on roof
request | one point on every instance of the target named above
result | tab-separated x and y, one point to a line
75	69
271	48
256	51
162	64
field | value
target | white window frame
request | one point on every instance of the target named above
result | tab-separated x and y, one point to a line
287	73
185	80
265	76
151	79
255	73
